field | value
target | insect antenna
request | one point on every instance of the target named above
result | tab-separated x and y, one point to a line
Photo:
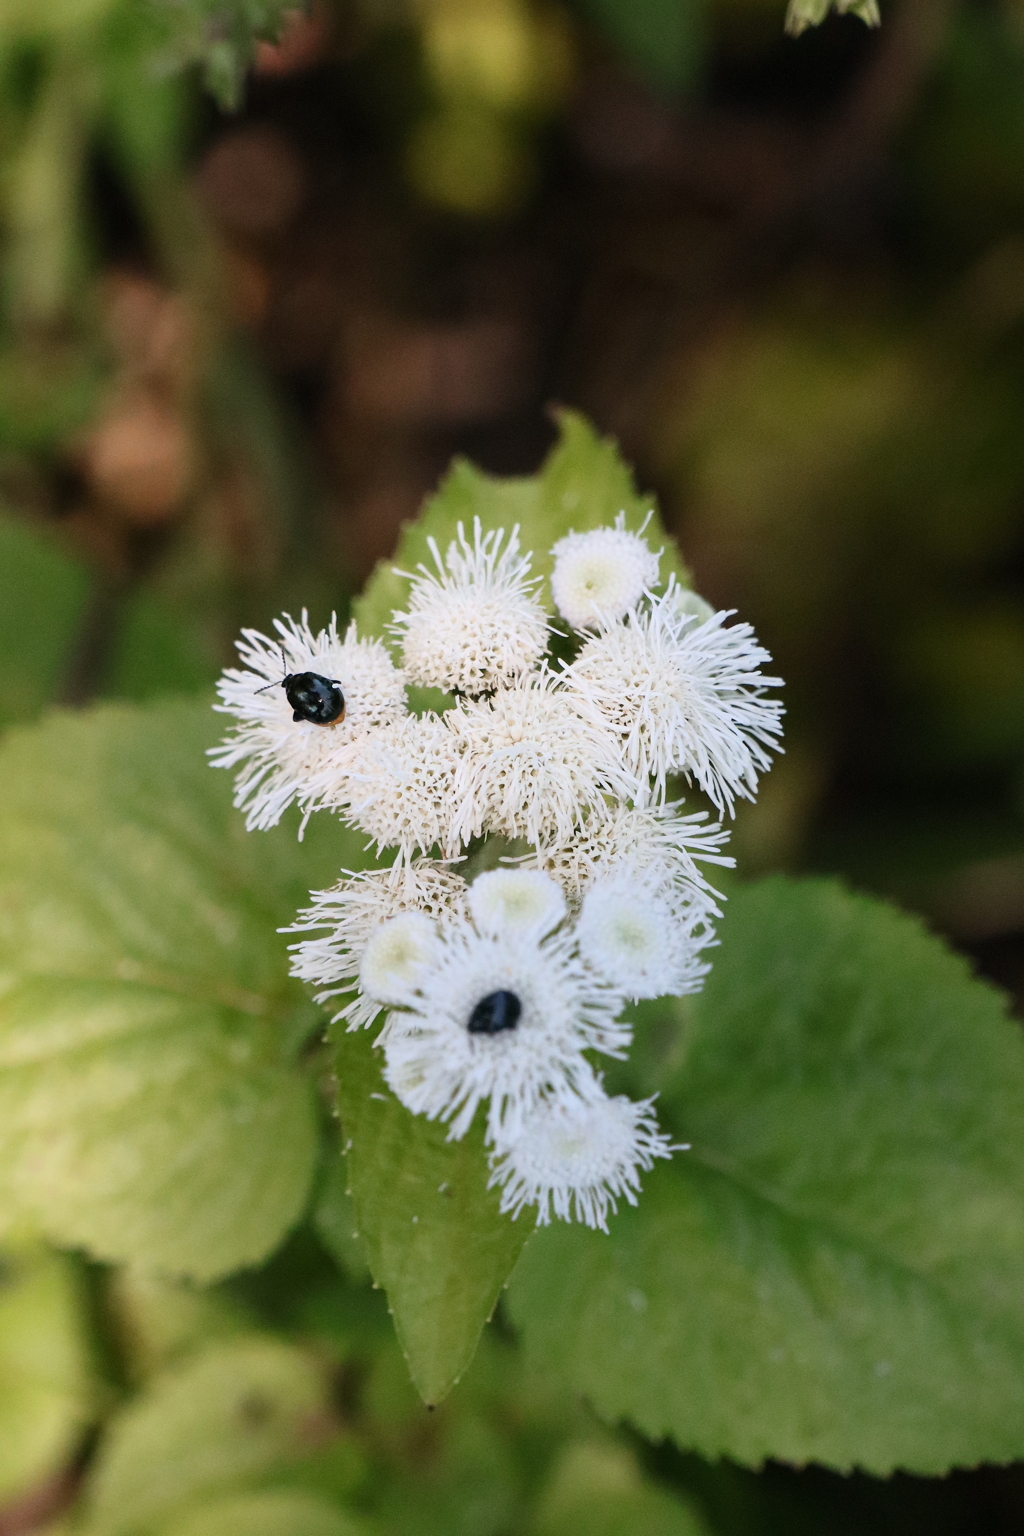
280	680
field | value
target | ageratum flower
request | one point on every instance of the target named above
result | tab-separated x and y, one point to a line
400	787
530	764
345	917
499	1017
283	759
474	624
499	995
683	696
599	576
633	933
516	901
395	957
650	843
575	1157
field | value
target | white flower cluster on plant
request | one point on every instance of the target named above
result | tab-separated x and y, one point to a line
283	759
501	992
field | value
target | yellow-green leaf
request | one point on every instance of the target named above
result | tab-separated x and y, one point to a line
233	1414
151	1109
584	483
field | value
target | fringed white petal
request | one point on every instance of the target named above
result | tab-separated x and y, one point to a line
530	764
516	901
632	932
502	1021
473	624
283	760
400	787
343	919
599	576
683	696
574	1158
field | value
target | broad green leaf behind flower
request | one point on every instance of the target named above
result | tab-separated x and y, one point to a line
584	483
835	1271
433	1232
150	1107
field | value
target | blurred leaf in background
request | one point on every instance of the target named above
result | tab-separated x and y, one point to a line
51	1390
43	597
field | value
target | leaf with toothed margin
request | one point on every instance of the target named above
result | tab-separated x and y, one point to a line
584	483
835	1272
433	1233
151	1106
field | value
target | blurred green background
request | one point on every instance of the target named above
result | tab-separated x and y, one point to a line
239	343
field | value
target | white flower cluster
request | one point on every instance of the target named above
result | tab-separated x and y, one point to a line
502	992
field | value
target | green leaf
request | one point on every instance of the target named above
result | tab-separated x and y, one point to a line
267	1514
158	1321
334	1216
158	650
835	1272
42	598
584	483
48	1395
150	1107
597	1489
234	1414
431	1228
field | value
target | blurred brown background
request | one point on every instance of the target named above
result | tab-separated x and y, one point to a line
239	348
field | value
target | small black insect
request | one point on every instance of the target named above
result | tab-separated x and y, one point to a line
312	697
494	1013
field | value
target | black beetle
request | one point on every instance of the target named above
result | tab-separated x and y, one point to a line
312	697
494	1013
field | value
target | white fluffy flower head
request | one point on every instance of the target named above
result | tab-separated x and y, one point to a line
400	787
683	695
573	1158
395	956
653	844
285	760
500	995
344	919
500	1019
530	762
632	933
521	902
599	576
475	623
